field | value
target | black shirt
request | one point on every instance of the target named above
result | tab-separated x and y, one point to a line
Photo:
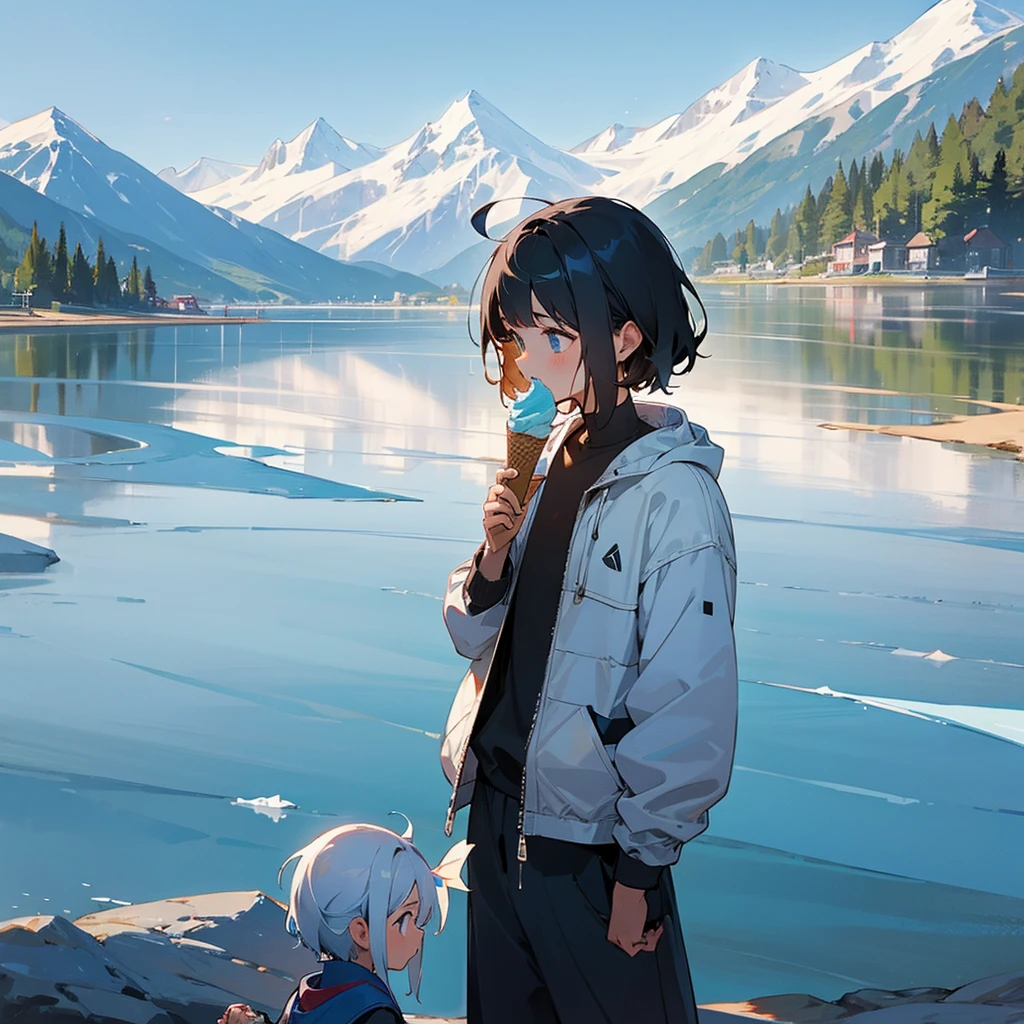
520	661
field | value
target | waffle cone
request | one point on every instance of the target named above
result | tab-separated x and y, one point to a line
523	452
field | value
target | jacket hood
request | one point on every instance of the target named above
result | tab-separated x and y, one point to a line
674	439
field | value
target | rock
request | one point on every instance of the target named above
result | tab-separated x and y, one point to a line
182	961
174	960
23	556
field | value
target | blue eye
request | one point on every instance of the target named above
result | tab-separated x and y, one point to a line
559	342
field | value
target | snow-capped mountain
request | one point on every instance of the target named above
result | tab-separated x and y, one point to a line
24	206
57	157
317	154
765	100
411	206
613	137
201	173
776	174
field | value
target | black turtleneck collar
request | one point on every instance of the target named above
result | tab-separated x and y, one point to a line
623	425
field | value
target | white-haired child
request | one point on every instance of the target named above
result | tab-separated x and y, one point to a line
361	897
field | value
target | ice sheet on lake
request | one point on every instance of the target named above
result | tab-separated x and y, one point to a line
164	455
1003	723
24	556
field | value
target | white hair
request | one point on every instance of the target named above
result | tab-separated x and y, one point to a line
358	871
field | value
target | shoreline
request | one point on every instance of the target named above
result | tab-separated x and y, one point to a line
17	322
864	281
1001	431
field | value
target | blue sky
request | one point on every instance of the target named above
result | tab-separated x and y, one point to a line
167	83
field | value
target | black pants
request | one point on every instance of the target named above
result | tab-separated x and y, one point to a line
541	953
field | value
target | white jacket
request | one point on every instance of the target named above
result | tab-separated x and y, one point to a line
643	637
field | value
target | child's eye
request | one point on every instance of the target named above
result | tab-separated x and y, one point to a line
403	923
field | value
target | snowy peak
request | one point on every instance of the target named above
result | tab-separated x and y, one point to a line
959	23
30	149
753	88
316	146
612	138
472	131
202	173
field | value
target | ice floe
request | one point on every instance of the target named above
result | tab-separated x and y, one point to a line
157	454
271	806
24	556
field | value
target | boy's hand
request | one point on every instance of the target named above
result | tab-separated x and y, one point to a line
503	515
629	915
240	1013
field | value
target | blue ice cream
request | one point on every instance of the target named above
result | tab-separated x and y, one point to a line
533	411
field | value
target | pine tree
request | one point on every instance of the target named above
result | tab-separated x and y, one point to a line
807	221
61	270
997	196
753	250
36	269
718	250
111	284
888	198
820	204
743	259
837	220
877	173
99	272
972	119
795	241
81	278
776	244
134	291
149	286
939	217
853	183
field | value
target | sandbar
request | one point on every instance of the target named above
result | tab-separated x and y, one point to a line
1002	431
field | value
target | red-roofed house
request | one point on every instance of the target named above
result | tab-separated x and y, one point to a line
850	254
986	249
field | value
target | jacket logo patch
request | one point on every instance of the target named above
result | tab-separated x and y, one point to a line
612	559
709	608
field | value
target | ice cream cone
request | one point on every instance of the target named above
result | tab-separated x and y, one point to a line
523	452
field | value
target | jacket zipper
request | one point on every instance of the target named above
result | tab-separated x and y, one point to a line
580	586
521	850
449	821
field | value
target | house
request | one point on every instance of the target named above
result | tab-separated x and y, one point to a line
850	254
186	304
986	249
885	255
922	253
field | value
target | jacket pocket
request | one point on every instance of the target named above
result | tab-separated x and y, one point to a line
576	778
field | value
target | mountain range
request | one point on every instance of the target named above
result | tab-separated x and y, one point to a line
222	254
750	144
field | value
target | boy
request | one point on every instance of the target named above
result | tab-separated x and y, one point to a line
597	723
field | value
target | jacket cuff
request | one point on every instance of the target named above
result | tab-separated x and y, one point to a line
482	593
635	874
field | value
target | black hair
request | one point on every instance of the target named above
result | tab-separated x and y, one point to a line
594	264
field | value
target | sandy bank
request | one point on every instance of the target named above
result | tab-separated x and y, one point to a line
15	321
1002	431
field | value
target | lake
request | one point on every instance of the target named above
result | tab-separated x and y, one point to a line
246	605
